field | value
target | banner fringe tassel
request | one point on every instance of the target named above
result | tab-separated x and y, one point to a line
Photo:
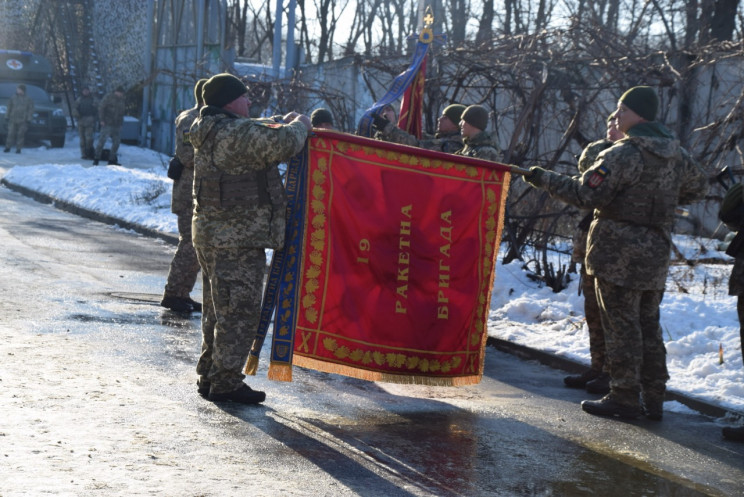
280	372
251	367
365	374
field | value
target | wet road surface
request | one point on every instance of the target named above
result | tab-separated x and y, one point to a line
98	398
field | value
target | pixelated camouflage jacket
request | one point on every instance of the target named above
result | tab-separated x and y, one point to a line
633	187
441	142
181	201
111	110
586	159
20	109
228	152
480	146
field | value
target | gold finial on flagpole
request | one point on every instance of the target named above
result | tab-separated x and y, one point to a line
427	35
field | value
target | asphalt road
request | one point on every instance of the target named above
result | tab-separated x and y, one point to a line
98	397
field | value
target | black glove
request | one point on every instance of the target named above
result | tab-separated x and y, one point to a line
175	168
535	176
379	122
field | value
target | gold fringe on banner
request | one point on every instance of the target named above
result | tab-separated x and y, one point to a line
251	366
365	374
280	372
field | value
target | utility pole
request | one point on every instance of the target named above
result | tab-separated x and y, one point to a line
290	57
277	53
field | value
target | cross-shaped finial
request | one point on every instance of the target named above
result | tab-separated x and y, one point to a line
428	17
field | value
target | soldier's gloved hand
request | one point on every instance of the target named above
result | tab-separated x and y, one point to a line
379	122
535	177
304	120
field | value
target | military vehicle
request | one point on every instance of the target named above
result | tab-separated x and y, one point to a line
49	121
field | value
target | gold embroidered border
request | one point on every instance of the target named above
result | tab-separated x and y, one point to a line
318	216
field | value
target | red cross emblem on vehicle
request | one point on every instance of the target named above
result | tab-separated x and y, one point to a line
14	64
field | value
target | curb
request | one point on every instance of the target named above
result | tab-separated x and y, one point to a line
87	213
546	358
571	366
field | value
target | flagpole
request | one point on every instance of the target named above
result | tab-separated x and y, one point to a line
518	170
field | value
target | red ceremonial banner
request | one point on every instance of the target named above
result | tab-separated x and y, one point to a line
397	261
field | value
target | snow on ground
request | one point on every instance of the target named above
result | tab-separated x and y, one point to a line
698	316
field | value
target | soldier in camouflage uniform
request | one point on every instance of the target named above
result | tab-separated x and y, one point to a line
322	118
446	139
85	111
184	267
477	143
634	188
732	214
20	112
594	379
111	114
239	210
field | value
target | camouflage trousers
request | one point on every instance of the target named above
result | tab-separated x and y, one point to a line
233	286
184	267
593	321
109	131
16	135
636	356
86	131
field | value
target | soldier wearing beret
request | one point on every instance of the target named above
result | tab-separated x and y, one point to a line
184	267
634	188
446	139
476	142
239	211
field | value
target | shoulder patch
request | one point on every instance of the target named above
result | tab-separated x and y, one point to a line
597	177
187	137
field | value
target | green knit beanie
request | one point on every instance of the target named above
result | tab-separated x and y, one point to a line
454	112
321	116
476	115
221	89
642	100
198	87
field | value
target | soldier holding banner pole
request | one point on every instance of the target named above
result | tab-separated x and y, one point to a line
446	139
239	211
634	188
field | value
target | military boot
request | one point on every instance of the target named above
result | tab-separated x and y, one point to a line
580	380
203	386
195	306
599	385
243	395
177	304
653	404
735	434
612	405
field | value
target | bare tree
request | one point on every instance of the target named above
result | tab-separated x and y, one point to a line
485	25
236	25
